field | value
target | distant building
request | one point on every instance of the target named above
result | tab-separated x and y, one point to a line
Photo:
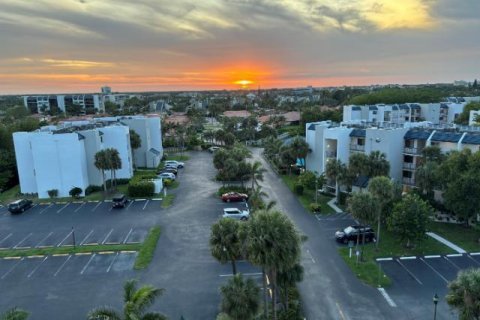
474	118
89	103
237	114
106	90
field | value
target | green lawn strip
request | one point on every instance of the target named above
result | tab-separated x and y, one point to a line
173	185
168	200
178	157
69	250
465	238
10	194
146	252
308	196
369	271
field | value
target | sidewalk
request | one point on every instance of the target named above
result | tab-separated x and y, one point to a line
332	205
446	242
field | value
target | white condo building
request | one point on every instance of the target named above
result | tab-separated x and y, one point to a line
90	103
63	157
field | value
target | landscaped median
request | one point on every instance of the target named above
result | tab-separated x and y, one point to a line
370	272
145	250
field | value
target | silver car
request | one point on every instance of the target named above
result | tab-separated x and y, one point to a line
236	213
167	175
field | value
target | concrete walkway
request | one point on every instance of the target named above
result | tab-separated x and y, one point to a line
332	205
446	242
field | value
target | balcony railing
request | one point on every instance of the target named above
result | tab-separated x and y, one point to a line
357	147
409	165
412	150
331	154
409	181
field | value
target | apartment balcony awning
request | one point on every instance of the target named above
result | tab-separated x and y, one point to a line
361	182
446	136
471	139
358	133
417	135
154	151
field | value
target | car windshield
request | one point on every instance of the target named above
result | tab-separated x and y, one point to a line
349	230
117	199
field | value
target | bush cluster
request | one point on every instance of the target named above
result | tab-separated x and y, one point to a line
298	189
141	189
92	188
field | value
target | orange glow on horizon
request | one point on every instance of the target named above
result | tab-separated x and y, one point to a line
244	83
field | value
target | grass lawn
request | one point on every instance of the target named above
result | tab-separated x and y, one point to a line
168	200
69	250
178	157
10	194
369	271
146	252
308	196
465	238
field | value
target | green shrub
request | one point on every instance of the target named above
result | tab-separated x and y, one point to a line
53	193
141	189
75	192
298	189
342	198
167	182
91	189
315	207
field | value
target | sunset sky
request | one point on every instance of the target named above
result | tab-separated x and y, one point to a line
155	45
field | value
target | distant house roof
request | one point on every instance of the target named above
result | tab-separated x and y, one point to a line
372	108
361	182
179	118
311	127
417	134
471	138
237	114
414	106
394	107
356	108
292	116
358	133
403	107
446	136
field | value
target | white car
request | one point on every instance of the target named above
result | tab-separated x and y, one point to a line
167	175
174	163
236	213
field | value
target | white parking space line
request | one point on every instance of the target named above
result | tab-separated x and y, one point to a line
128	235
60	210
35	269
111	263
145	205
454	255
451	262
98	204
63	264
90	260
434	270
18	244
387	297
473	260
110	209
131	202
86	237
66	237
76	210
45	209
432	256
408	258
253	274
37	245
409	272
108	235
384	259
474	253
310	256
8	236
11	269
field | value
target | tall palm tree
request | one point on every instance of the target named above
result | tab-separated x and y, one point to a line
272	243
382	190
240	298
335	170
116	163
256	173
135	143
225	244
287	279
464	294
378	163
136	301
299	148
101	164
14	314
426	178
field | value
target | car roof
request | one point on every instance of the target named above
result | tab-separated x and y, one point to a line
231	209
17	201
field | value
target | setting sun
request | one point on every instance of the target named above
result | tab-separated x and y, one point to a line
243	83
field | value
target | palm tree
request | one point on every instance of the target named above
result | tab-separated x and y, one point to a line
256	173
101	164
464	294
426	178
272	243
382	190
115	162
136	301
378	164
240	298
299	148
336	170
225	244
135	143
14	314
288	278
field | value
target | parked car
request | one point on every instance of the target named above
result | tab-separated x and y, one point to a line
167	175
19	206
213	149
234	196
171	165
169	170
351	233
119	201
177	163
236	213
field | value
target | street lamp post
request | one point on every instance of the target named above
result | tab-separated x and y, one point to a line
435	302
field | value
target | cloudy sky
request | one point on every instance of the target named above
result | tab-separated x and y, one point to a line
149	45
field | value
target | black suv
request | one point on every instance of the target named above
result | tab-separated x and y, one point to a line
119	201
351	233
19	206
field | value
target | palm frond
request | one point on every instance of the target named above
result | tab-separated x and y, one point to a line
153	316
103	313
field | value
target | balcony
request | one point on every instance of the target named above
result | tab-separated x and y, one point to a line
408	181
357	147
331	154
412	150
409	165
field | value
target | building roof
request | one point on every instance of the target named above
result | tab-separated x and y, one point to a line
417	134
358	133
177	118
414	106
471	138
237	114
446	136
154	151
311	127
356	108
372	108
403	106
292	116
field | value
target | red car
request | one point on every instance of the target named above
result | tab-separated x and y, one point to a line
234	196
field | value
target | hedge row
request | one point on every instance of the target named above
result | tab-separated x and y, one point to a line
141	189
